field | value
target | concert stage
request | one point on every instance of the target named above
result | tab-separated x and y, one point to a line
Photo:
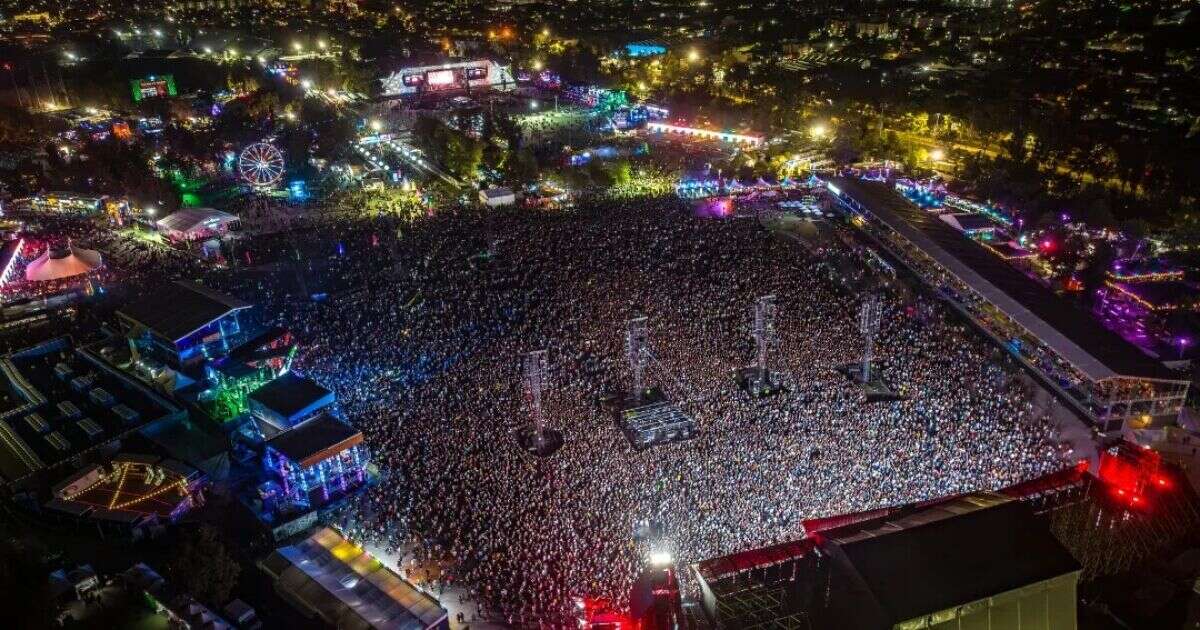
876	389
651	419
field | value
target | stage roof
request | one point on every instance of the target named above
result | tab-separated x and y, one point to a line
951	554
1076	336
348	587
316	440
725	566
179	309
291	394
889	566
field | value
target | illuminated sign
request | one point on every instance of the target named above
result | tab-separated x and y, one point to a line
160	86
708	134
440	77
413	79
476	73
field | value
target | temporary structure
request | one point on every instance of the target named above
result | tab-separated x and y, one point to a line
63	262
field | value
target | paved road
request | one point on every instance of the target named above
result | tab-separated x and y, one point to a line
454	599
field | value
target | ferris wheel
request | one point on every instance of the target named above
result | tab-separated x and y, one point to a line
261	165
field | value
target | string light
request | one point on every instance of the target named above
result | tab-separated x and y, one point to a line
120	486
178	485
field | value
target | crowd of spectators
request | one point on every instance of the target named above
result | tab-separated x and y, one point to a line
420	322
423	343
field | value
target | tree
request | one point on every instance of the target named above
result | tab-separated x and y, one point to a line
845	150
203	566
18	125
1096	271
24	587
521	168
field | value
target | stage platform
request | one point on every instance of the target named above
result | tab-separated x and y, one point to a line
651	419
549	444
876	389
749	379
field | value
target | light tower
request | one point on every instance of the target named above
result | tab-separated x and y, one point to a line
535	368
764	335
868	324
637	352
536	438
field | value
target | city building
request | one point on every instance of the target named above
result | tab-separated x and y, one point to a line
316	462
337	582
287	401
65	202
311	459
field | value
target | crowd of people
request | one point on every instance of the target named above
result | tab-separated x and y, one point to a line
423	344
422	323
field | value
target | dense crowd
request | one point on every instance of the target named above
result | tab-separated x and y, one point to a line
423	344
421	325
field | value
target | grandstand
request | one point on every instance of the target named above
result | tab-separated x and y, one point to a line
1101	375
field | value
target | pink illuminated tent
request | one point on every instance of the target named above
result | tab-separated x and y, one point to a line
63	262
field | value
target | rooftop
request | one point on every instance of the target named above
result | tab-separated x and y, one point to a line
57	401
348	587
290	394
188	219
131	484
950	554
316	440
885	567
179	309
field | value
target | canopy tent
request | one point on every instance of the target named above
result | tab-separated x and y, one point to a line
191	224
63	262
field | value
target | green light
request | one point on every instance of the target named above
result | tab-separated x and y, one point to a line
229	397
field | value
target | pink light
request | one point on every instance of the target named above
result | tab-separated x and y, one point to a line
440	77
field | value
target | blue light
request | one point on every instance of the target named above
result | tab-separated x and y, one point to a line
298	190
